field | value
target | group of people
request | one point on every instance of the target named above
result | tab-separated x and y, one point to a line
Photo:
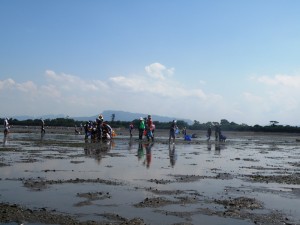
218	134
146	128
98	129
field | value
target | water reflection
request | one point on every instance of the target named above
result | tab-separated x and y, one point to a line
97	150
148	147
42	135
172	155
130	144
141	151
4	140
208	145
218	147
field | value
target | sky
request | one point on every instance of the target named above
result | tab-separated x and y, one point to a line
197	59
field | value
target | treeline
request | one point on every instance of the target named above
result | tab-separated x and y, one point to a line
224	124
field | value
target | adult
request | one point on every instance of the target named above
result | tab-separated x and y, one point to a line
107	131
184	131
141	128
208	133
131	127
217	131
150	128
149	121
6	126
173	129
99	126
43	126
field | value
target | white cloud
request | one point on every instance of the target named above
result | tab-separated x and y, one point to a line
280	80
159	71
70	82
73	95
63	93
278	98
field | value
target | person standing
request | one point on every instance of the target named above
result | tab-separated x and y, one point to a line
184	131
152	128
131	127
43	126
217	131
99	126
208	133
141	128
6	126
173	129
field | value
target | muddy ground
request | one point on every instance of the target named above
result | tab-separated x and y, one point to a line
59	178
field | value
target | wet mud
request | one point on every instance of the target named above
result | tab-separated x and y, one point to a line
60	178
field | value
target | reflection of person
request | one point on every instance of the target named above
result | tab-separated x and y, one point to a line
217	148
130	144
208	146
172	155
140	153
4	140
148	154
173	129
97	151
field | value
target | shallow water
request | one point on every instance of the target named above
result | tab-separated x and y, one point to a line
215	171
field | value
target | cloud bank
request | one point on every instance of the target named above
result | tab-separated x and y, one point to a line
154	92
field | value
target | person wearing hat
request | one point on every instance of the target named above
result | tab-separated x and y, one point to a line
99	126
141	128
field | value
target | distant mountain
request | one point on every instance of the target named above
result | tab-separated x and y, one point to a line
119	115
51	116
129	116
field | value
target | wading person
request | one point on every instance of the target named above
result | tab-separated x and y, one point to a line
208	133
42	126
173	129
131	127
217	131
150	128
6	126
99	126
141	128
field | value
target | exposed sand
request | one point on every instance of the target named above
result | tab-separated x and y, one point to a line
58	178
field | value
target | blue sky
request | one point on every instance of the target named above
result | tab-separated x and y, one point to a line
200	60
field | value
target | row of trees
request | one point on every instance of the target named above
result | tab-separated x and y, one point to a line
225	125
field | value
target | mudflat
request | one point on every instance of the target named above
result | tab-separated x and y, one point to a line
61	178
